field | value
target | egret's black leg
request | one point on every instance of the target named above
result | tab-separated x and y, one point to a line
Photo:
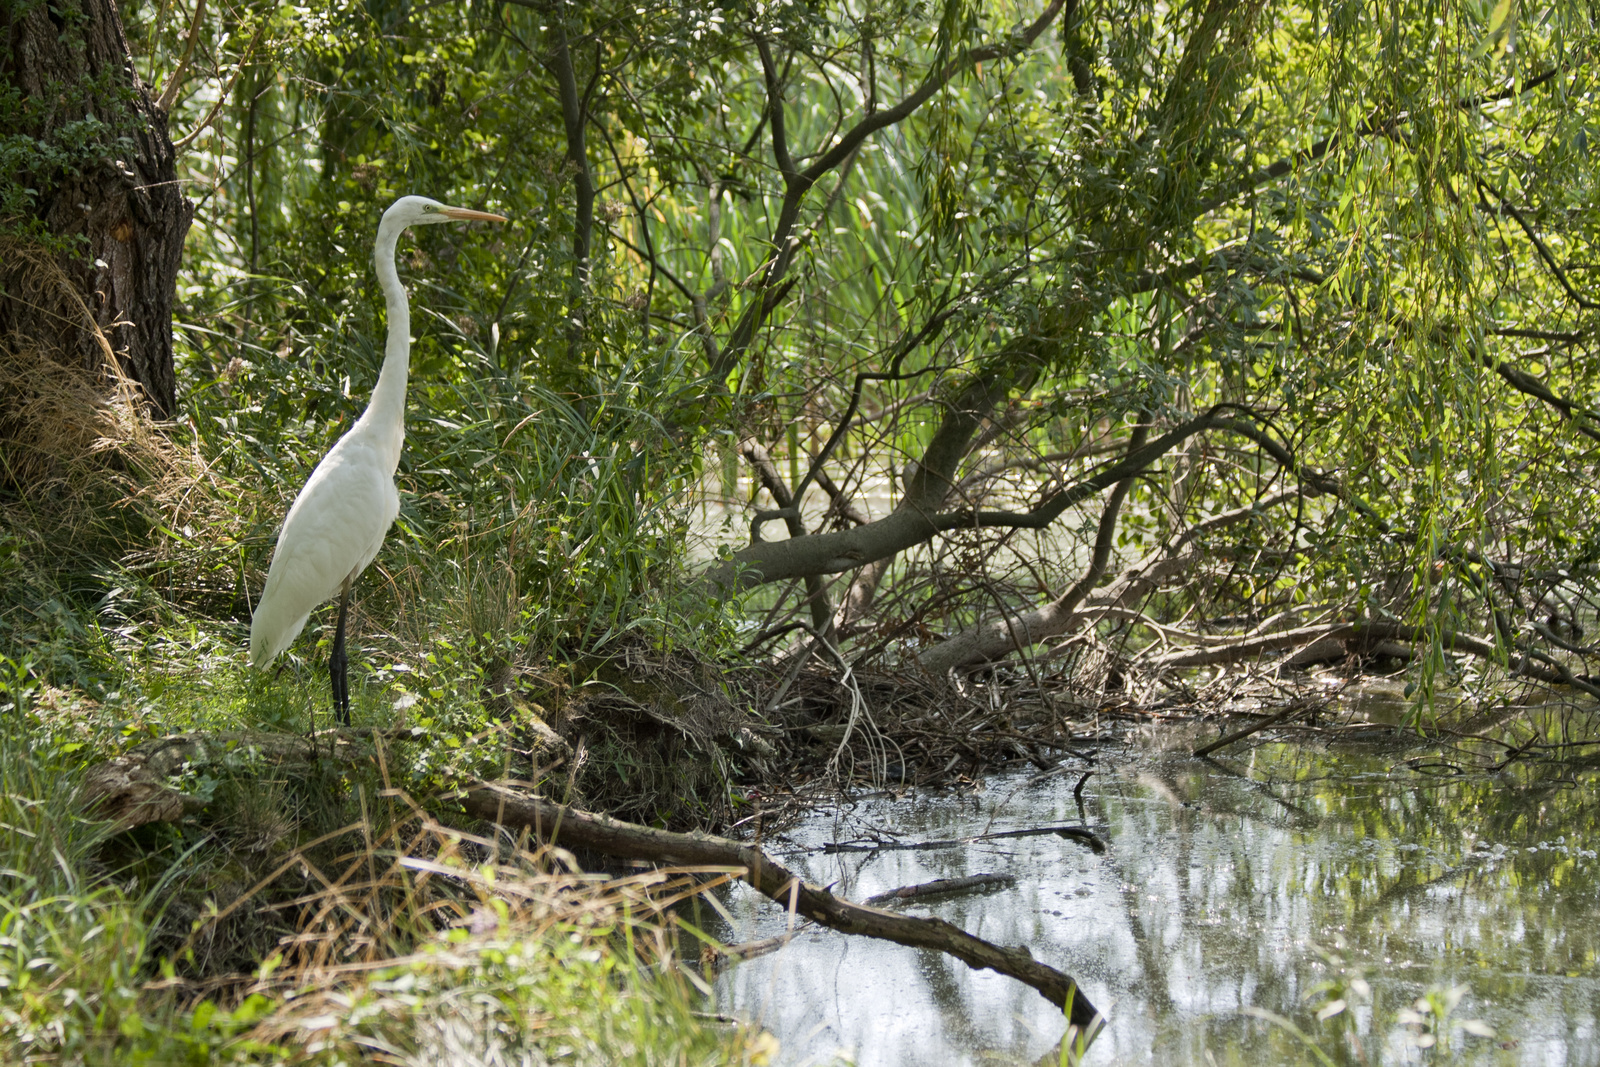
338	662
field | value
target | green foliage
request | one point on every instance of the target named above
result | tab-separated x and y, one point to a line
1339	225
71	972
43	147
1342	224
74	949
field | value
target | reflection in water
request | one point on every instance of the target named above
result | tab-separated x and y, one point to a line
1227	885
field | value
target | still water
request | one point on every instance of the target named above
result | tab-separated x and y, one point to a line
1243	882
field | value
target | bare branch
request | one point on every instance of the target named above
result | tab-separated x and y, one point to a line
169	91
798	182
789	511
874	122
573	112
1538	243
222	97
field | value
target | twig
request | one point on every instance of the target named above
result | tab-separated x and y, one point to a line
222	96
1077	790
750	950
169	91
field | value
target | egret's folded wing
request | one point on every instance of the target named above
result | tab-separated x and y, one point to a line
333	531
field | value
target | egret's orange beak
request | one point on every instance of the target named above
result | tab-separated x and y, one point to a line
466	214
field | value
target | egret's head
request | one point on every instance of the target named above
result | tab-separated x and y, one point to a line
419	210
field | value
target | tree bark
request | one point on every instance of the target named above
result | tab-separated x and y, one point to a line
107	207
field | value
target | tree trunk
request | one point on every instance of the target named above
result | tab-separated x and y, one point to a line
106	215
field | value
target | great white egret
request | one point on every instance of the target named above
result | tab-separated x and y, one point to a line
337	523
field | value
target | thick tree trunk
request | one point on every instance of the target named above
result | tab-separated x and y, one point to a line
106	197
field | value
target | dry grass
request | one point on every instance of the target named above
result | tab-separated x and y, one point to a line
70	426
421	942
87	476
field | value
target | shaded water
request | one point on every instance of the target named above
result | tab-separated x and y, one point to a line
1228	884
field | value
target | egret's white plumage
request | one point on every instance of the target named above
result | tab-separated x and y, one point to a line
337	523
334	529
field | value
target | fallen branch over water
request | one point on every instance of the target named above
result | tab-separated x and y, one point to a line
570	827
1075	833
1530	663
1255	727
943	885
718	959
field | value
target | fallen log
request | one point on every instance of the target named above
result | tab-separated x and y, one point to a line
557	823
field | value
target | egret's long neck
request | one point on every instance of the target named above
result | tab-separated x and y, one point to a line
386	413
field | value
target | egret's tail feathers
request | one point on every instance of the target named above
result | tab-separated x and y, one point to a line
269	637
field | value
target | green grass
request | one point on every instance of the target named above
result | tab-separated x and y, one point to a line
522	991
167	946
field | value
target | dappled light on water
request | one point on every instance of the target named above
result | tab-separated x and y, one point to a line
1284	879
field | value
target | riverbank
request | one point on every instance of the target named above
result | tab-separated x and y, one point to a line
314	899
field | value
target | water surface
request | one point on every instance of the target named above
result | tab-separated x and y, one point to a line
1242	882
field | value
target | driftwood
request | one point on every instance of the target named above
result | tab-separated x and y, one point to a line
943	885
1255	727
1301	637
717	959
1075	833
128	793
569	826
